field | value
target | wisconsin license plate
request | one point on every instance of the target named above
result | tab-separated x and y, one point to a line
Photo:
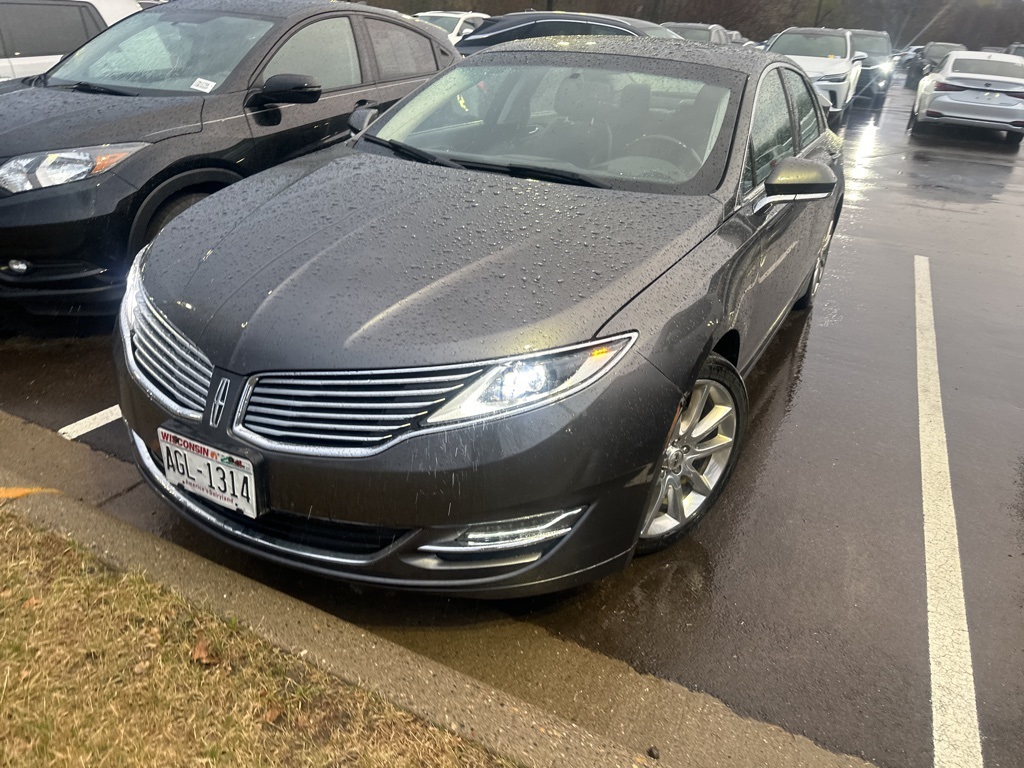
223	478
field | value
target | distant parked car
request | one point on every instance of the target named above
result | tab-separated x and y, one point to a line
829	59
167	107
876	70
701	33
34	34
928	59
457	24
983	90
904	57
529	24
1015	49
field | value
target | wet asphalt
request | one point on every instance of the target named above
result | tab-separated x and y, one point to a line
801	601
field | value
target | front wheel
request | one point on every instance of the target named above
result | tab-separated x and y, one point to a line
1014	139
701	449
806	301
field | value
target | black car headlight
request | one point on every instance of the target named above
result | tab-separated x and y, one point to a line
132	291
535	379
61	166
833	78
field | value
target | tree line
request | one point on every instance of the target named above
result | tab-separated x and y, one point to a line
975	23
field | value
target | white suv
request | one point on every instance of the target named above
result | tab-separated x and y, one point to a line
828	58
35	34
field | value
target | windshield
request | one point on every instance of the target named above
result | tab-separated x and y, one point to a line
164	49
1016	50
697	34
988	67
873	45
637	130
655	30
447	23
810	44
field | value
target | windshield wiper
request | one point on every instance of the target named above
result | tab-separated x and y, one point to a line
401	148
97	88
540	173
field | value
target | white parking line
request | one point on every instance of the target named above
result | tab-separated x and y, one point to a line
89	423
955	734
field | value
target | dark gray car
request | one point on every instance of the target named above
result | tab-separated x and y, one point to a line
498	346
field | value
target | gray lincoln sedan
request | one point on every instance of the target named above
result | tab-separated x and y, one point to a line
496	346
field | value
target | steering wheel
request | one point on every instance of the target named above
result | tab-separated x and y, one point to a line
667	148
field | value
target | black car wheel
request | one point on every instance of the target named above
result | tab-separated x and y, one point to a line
700	452
879	100
169	210
1013	138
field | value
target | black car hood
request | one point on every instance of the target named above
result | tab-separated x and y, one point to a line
39	119
370	262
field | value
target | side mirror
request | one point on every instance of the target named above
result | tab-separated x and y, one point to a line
794	180
465	31
290	89
362	118
859	56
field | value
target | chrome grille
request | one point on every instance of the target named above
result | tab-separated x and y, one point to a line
345	414
171	366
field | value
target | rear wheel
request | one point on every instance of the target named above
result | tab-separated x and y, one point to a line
701	449
913	125
1013	138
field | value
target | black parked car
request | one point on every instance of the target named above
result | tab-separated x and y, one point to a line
165	108
497	347
927	60
529	24
876	70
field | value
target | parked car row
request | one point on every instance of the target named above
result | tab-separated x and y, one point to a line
310	370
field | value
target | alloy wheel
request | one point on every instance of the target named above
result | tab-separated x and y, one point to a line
694	461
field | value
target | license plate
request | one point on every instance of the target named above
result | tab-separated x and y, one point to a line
220	477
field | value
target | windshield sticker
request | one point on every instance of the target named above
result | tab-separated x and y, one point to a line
203	85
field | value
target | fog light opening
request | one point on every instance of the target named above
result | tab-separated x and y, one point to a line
507	536
19	266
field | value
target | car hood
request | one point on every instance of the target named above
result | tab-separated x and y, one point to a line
369	262
39	119
817	66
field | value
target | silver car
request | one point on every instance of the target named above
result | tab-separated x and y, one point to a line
985	90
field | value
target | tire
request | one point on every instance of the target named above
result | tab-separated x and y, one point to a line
914	126
806	301
1014	139
675	506
879	101
169	210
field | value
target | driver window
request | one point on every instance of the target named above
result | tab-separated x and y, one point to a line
325	50
771	133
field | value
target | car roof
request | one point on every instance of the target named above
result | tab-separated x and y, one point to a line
572	15
982	55
691	25
280	8
871	32
110	10
745	60
817	31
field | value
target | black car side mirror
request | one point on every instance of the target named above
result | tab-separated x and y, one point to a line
362	118
795	180
290	89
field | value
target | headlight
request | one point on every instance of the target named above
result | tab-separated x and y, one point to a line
528	381
833	78
886	67
48	169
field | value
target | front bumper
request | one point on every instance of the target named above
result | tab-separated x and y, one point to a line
594	450
873	82
838	94
75	239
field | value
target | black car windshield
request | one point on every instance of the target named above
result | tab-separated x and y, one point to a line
164	49
810	44
873	45
447	23
938	51
989	67
637	129
697	34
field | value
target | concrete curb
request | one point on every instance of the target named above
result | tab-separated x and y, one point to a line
497	721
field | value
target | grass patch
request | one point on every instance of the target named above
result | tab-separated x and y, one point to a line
99	667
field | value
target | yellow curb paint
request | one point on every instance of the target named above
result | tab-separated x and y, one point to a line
17	493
